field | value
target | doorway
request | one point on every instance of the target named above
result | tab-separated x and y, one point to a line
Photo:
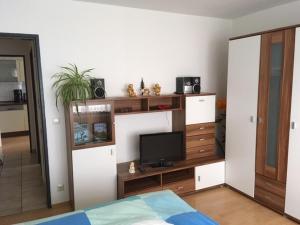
24	171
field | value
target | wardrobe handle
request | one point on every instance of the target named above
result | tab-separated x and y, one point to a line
202	139
252	119
293	125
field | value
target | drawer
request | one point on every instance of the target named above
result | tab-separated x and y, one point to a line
270	185
268	199
200	151
146	190
210	175
200	128
200	109
181	187
200	140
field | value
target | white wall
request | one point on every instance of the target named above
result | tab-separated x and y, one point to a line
123	45
276	17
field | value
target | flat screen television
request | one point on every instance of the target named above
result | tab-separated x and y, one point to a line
161	149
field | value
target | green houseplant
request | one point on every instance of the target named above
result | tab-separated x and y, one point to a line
72	85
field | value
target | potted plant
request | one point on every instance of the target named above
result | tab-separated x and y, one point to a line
72	85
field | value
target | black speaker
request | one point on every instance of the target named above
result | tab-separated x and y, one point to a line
188	85
196	85
98	88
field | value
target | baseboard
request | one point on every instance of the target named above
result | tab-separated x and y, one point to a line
292	218
15	134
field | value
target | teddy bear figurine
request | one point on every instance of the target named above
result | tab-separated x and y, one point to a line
131	91
156	89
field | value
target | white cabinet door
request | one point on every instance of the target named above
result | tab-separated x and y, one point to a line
209	175
200	109
94	176
292	201
241	115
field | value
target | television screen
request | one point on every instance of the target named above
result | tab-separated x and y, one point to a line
167	147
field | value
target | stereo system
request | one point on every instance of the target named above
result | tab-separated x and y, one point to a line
188	85
98	88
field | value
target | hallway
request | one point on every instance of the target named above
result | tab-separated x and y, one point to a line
21	183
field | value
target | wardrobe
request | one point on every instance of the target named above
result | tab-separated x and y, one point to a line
263	107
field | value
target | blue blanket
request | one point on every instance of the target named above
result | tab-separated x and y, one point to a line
156	205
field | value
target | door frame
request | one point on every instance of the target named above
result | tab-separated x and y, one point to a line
35	40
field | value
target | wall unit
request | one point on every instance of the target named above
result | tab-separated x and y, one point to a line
263	136
92	157
293	179
241	114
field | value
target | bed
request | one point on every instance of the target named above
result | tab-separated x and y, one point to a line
162	205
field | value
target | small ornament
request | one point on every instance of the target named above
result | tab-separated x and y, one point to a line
131	168
156	89
146	92
131	91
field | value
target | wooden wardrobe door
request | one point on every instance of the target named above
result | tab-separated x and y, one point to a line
274	103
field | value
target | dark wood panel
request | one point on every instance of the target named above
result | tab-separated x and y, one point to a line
270	200
270	185
201	128
285	109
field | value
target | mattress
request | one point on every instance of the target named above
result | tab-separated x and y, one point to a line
164	205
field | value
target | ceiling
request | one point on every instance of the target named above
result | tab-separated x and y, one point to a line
228	9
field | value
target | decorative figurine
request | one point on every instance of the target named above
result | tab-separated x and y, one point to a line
156	89
130	91
146	92
131	168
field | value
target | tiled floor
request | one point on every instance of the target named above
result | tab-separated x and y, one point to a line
21	184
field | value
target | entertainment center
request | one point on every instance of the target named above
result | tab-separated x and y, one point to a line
90	131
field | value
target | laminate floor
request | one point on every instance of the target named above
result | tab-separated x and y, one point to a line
222	204
231	208
21	184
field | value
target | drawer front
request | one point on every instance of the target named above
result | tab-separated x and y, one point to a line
271	200
270	185
202	128
200	109
146	190
200	151
210	175
200	140
181	187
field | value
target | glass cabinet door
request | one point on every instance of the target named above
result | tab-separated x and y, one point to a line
276	61
92	124
274	103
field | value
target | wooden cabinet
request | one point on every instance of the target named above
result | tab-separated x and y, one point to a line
274	104
210	175
241	113
292	202
200	109
94	176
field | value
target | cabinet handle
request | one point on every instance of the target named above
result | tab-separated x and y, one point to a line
202	150
179	188
111	152
201	128
201	100
293	125
252	119
199	178
202	139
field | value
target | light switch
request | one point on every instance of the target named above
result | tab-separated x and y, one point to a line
56	120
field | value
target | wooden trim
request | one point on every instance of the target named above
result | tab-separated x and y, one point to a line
15	134
264	32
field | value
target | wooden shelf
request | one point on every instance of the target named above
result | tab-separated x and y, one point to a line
147	104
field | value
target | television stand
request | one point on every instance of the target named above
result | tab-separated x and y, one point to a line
162	164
